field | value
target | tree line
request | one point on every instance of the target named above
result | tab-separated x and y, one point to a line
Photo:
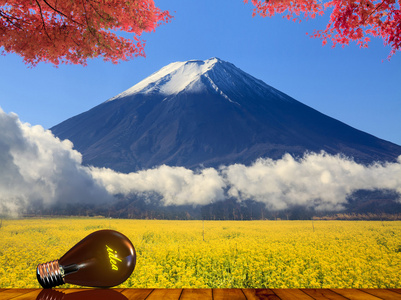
362	205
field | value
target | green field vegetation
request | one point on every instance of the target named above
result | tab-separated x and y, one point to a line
217	254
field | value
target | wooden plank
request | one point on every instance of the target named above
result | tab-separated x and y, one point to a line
73	290
291	294
255	294
354	294
168	294
50	294
12	293
194	294
217	294
234	294
118	290
81	294
28	296
136	294
69	291
384	294
323	294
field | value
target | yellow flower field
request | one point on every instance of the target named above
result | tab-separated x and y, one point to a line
217	254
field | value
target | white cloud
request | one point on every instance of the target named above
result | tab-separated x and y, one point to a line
36	167
318	180
177	185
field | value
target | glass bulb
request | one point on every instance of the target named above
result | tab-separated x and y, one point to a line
104	258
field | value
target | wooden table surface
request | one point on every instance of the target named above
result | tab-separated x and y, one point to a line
216	294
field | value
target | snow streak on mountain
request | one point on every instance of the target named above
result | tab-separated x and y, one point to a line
207	114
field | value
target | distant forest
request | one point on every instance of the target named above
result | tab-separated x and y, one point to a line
362	205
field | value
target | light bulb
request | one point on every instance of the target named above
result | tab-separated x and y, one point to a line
104	258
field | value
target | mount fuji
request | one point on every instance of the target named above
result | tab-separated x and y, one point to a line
206	114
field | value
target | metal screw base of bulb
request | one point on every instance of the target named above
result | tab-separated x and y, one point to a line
50	274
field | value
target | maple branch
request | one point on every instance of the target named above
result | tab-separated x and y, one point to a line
91	30
86	18
73	31
10	19
43	21
375	9
76	43
96	11
61	13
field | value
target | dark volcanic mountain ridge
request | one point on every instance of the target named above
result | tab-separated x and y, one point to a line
206	114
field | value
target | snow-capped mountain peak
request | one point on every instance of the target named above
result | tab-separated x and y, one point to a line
172	78
194	76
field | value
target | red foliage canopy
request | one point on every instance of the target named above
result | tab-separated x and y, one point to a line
71	31
350	20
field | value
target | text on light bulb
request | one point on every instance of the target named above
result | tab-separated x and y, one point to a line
113	258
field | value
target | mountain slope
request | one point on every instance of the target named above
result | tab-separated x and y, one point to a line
208	113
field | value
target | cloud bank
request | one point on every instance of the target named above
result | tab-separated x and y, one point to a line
38	168
320	180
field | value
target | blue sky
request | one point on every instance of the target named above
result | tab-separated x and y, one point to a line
356	86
